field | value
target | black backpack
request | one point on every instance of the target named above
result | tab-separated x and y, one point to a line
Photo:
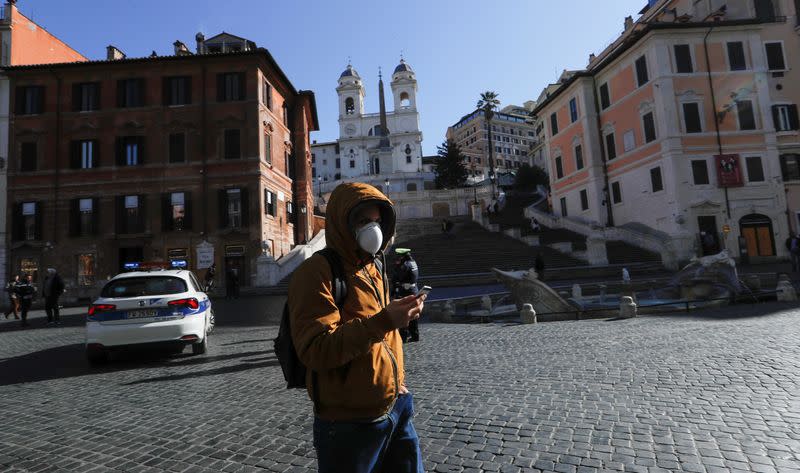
293	369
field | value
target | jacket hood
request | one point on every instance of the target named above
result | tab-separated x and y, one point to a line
338	232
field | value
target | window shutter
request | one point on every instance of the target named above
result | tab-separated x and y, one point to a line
245	207
142	222
74	217
95	153
187	211
120	150
794	123
266	202
95	216
119	211
76	97
165	90
75	154
18	226
39	106
222	204
776	120
188	90
140	150
97	95
141	92
220	87
39	228
166	212
242	86
121	93
19	103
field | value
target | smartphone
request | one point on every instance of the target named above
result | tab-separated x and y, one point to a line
424	290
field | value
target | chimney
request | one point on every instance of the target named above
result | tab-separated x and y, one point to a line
591	58
628	22
113	54
181	49
200	38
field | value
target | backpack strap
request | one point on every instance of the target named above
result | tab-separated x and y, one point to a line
338	281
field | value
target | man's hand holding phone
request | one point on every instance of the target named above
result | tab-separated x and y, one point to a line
404	310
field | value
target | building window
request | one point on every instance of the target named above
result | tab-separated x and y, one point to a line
584	200
338	163
177	147
86	97
683	59
649	125
230	86
563	202
175	211
775	58
177	90
573	110
232	144
790	167
628	140
747	118
266	94
700	172
30	100
28	160
785	117
554	124
736	59
691	117
268	149
285	115
288	163
559	168
234	208
349	106
86	270
83	154
641	71
83	217
655	180
611	147
29	211
269	203
616	193
352	164
605	98
130	93
755	171
130	151
130	214
290	216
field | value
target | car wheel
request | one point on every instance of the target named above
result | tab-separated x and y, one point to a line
201	347
96	356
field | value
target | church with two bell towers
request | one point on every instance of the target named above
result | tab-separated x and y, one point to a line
374	147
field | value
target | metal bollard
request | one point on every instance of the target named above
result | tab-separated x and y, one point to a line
627	308
528	314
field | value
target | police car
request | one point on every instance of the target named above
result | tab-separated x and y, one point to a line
149	307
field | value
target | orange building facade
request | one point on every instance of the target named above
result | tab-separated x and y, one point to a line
686	124
197	158
22	41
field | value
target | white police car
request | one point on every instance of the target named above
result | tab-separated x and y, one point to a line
149	307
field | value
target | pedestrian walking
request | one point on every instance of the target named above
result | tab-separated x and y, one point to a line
27	292
209	277
13	297
354	355
404	283
538	265
52	289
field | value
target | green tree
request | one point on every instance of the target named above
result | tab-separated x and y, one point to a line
489	102
449	168
528	177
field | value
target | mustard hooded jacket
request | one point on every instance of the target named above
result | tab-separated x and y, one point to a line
356	354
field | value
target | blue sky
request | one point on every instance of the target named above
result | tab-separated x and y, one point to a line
458	49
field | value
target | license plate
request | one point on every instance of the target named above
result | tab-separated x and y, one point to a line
140	314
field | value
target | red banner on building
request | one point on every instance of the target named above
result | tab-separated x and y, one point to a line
729	173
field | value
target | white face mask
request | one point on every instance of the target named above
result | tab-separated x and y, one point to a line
370	237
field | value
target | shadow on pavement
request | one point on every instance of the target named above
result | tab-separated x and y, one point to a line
69	361
244	366
38	323
738	311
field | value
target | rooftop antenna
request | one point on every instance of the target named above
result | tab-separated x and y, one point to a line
349	63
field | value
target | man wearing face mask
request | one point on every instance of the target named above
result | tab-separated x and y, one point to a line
356	380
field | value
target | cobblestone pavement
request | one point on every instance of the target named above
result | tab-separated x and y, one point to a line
698	393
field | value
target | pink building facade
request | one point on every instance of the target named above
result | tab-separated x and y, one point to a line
687	124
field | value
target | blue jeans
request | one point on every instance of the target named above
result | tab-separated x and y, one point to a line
388	445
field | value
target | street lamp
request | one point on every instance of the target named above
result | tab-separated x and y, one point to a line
304	211
319	182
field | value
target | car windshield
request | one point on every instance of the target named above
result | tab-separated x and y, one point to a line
144	286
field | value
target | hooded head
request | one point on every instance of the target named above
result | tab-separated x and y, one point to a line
346	203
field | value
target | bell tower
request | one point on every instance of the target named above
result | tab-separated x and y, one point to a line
404	87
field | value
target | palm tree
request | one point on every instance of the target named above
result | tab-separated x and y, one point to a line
489	102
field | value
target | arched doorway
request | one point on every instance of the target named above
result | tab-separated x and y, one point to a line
757	232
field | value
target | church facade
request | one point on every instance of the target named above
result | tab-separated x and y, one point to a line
373	147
